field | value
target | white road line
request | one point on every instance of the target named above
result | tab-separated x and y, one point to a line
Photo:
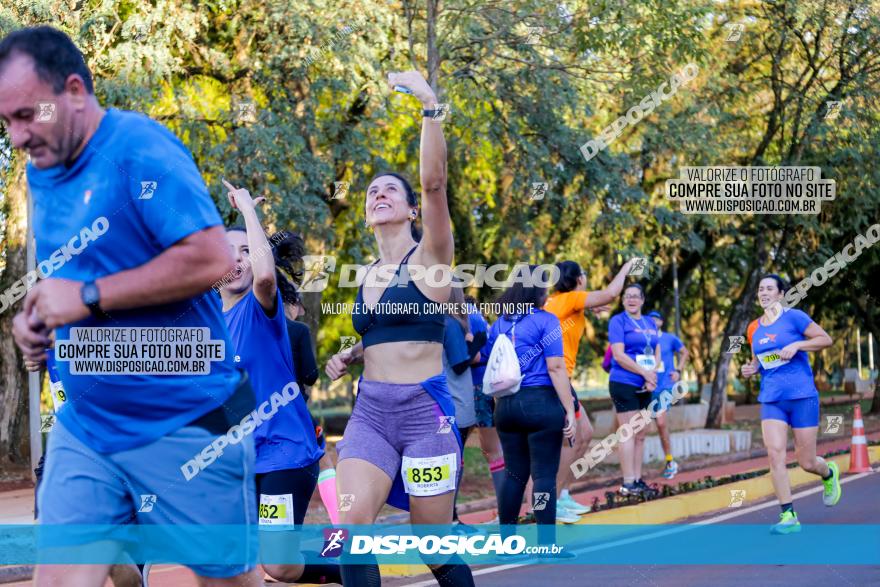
684	528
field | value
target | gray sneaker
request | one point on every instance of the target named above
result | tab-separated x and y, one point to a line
831	495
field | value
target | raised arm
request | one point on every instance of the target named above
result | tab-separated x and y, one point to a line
259	251
437	245
605	296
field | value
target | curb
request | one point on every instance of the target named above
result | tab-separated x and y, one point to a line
704	501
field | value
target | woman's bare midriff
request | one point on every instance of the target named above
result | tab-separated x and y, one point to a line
403	362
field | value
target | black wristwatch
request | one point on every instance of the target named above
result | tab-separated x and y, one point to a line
430	113
91	297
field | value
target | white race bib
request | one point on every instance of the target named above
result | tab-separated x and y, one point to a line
276	510
646	361
427	476
771	359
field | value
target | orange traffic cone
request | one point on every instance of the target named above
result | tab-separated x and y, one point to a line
858	453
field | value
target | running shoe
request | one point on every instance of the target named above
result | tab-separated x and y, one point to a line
571	505
647	490
566	516
831	495
630	489
788	523
671	470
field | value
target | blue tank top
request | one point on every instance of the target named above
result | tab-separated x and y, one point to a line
421	320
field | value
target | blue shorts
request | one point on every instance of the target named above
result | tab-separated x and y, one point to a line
797	413
484	406
145	485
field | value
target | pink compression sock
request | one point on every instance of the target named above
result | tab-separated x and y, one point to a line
327	489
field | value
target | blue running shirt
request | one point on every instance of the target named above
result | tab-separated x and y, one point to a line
262	348
639	337
782	380
538	335
142	180
669	345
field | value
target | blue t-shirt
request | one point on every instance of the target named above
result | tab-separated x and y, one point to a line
262	348
538	335
461	386
639	337
783	380
669	345
477	324
137	176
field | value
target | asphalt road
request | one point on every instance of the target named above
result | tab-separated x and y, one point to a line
860	504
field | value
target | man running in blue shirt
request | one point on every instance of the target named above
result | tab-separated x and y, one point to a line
132	240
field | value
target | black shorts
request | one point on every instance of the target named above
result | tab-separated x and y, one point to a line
626	399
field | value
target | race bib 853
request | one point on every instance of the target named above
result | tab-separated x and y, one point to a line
429	475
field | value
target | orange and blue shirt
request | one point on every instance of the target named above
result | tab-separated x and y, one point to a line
781	379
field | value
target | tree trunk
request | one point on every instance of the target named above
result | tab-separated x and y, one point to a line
866	309
736	325
14	422
433	53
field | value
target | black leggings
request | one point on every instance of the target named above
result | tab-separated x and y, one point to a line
299	483
530	426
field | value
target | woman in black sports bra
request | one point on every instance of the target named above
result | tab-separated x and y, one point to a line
401	444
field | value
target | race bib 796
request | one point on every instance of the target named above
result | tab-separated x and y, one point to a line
771	359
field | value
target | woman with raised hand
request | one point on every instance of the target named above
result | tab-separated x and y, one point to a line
395	446
570	304
287	452
780	340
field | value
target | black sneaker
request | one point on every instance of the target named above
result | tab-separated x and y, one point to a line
630	489
647	490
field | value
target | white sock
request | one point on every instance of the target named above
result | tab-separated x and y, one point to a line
564	494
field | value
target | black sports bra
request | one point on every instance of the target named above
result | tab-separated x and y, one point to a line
404	314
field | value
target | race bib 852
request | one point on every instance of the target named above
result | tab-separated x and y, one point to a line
276	510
